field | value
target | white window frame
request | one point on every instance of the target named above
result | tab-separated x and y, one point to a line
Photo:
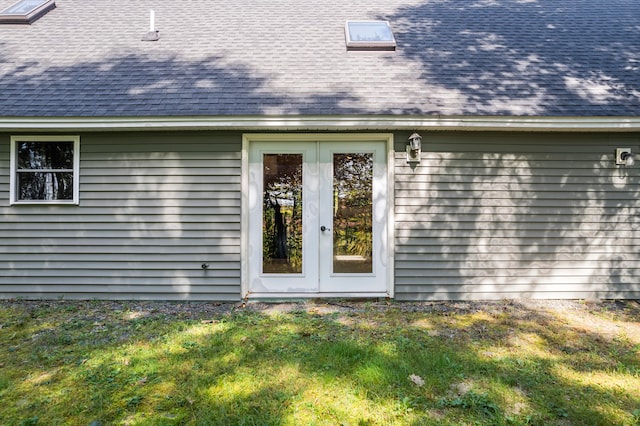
13	181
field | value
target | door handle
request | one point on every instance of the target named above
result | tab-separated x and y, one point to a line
324	228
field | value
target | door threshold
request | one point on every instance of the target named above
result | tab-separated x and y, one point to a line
331	295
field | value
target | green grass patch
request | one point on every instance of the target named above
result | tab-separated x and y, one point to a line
117	363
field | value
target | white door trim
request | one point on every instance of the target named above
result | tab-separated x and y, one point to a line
248	138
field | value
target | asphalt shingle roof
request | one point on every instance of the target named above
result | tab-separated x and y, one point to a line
288	57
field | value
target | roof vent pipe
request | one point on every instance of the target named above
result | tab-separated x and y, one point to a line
152	35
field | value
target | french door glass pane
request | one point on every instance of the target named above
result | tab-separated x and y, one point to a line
282	214
352	213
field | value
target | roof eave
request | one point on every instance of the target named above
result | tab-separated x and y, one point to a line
324	123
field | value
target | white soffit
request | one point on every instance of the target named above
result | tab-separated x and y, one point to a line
335	123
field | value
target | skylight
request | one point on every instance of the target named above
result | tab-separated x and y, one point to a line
26	11
369	35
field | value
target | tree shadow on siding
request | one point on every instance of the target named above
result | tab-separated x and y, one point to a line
509	57
510	219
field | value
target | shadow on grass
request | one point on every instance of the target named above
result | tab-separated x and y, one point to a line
503	364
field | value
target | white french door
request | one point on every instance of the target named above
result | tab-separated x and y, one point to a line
317	218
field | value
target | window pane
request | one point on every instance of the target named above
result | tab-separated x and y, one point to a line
45	155
369	34
352	213
282	214
45	186
23	7
370	31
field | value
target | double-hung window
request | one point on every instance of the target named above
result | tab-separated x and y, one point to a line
45	169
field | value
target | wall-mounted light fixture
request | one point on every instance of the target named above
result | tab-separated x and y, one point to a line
624	157
414	148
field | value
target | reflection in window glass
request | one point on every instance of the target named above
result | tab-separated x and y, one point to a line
369	34
352	213
45	155
44	171
282	214
45	186
23	7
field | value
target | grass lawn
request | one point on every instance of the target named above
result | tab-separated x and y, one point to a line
368	363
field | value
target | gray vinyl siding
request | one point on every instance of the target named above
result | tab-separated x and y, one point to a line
483	216
491	216
153	208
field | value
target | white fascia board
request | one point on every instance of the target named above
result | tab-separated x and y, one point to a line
323	123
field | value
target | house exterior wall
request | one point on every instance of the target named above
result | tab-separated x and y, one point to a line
490	216
483	216
153	208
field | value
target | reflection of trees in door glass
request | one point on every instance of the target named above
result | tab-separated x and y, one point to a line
282	213
352	211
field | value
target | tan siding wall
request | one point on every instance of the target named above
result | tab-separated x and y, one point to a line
153	208
489	216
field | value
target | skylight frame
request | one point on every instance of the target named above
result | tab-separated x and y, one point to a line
28	17
388	41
